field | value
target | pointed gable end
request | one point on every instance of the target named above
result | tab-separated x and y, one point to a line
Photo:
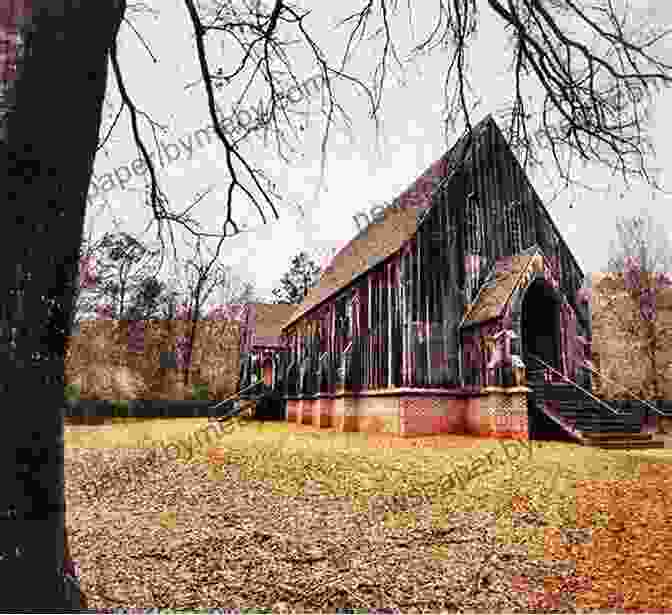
383	238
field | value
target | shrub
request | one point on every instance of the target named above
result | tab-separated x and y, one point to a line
201	392
72	392
120	408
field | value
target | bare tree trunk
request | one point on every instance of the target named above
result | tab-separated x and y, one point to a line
651	341
46	159
194	323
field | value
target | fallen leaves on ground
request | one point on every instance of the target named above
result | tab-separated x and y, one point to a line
628	560
297	524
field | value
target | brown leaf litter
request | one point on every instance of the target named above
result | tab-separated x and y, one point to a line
181	537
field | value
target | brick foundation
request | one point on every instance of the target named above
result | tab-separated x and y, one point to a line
430	414
495	412
322	411
299	411
345	412
292	410
476	418
305	414
378	414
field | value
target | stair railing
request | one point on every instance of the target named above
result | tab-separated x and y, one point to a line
599	401
628	390
238	394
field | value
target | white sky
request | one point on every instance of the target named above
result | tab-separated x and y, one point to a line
360	172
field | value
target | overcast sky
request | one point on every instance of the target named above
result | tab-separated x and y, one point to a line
361	171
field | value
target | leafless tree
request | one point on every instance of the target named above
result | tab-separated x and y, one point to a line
170	299
44	203
594	108
643	238
201	279
124	263
641	264
84	278
596	93
236	289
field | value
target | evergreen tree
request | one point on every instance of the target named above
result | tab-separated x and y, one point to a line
303	275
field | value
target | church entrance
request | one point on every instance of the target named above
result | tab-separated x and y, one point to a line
540	329
540	326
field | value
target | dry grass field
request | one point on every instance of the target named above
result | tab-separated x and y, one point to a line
278	517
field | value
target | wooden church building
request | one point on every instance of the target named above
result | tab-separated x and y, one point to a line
434	317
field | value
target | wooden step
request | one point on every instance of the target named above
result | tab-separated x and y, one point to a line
615	435
604	434
604	427
626	444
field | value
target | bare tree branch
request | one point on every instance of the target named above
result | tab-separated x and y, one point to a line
595	94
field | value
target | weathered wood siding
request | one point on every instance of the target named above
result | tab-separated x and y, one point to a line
513	216
406	311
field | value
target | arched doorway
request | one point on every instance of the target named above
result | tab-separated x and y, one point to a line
540	336
540	326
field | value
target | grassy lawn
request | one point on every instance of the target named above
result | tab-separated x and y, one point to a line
130	433
492	476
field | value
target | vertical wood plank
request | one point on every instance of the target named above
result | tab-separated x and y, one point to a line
389	326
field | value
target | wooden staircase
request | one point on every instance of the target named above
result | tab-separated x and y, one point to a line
588	420
623	440
255	401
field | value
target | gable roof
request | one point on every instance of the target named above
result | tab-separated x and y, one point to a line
498	287
386	236
268	321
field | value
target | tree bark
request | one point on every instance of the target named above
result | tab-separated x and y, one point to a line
652	343
46	159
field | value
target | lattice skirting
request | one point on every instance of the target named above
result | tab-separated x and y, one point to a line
504	412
